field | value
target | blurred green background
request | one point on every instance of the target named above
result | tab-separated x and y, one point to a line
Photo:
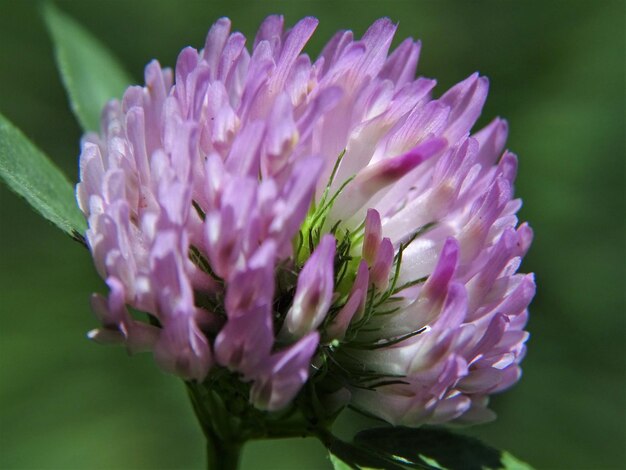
557	74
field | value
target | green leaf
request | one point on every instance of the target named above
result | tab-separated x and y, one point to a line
29	172
91	74
346	456
436	448
339	464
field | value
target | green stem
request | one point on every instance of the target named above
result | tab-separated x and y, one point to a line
223	449
227	430
222	455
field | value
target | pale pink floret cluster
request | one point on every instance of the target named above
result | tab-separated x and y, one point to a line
200	183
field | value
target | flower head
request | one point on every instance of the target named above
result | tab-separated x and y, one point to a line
289	220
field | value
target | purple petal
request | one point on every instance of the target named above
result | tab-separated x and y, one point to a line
354	307
436	287
245	342
373	236
314	291
382	265
277	385
183	350
491	140
377	40
215	41
294	42
401	65
466	100
380	175
271	30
